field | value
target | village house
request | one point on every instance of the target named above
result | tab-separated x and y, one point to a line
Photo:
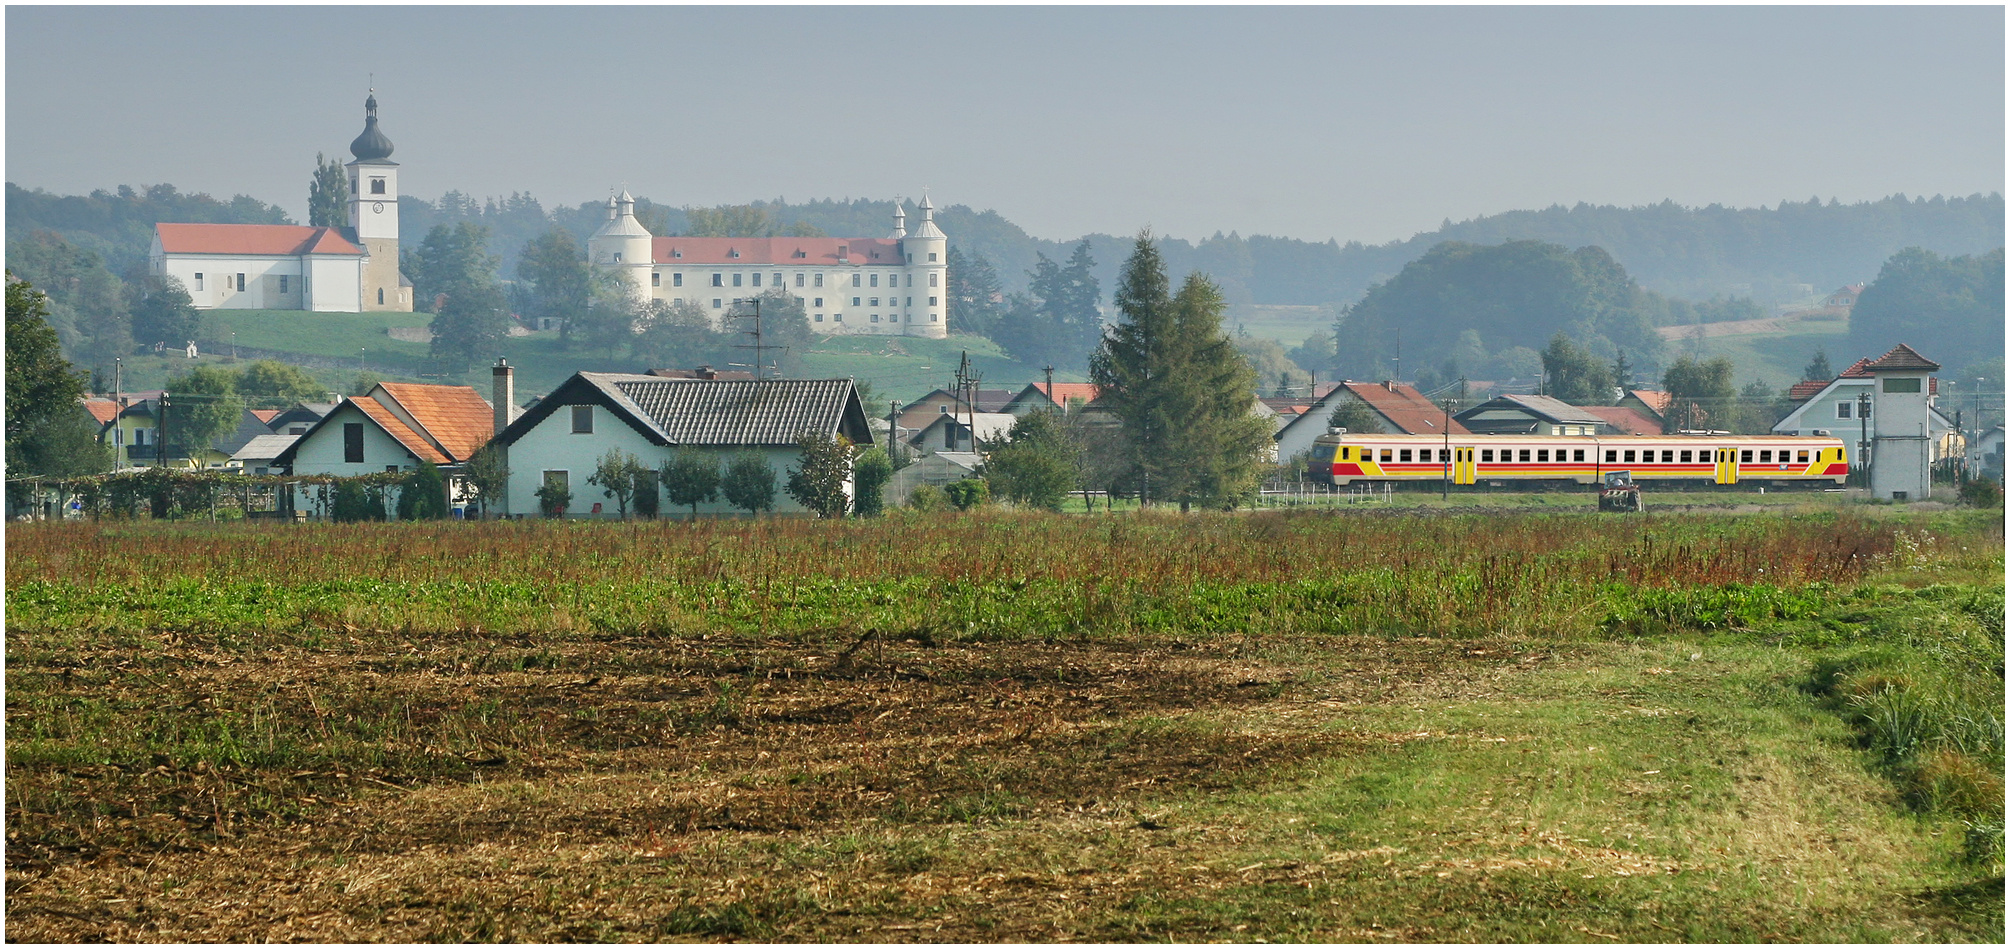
917	414
1649	404
393	428
951	433
1529	415
1396	407
1837	407
1052	397
560	441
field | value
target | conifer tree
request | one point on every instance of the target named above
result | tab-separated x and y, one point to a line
327	194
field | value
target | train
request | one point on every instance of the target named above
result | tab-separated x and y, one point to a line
1339	458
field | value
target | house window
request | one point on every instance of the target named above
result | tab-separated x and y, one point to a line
139	437
352	442
617	257
718	280
931	257
854	280
1902	385
1842	410
198	281
736	279
820	280
282	283
655	279
376	186
677	279
582	420
932	278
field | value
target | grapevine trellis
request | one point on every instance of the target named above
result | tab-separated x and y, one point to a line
166	493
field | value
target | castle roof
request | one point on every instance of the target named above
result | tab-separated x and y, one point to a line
785	251
278	240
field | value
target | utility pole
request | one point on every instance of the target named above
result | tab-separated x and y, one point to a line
1447	454
1863	434
760	361
1049	370
892	433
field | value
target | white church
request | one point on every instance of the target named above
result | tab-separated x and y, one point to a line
351	269
893	285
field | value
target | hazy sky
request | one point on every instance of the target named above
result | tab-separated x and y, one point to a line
1361	123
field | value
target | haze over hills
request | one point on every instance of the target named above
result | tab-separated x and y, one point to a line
1764	253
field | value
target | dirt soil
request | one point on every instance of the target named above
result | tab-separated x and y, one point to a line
681	788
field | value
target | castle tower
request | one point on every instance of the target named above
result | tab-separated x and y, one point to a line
624	246
899	220
927	252
373	215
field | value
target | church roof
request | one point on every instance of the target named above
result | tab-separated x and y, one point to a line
785	251
372	145
276	240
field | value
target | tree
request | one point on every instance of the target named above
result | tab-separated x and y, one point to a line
1701	395
269	380
1356	417
608	320
1941	306
42	386
451	259
690	478
784	326
485	476
327	194
162	311
615	475
203	406
1818	367
471	324
1182	392
975	298
869	475
355	503
749	483
561	283
742	220
87	304
968	493
822	471
1575	375
423	495
1056	322
1038	464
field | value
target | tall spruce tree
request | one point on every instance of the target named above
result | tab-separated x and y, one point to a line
1181	390
327	194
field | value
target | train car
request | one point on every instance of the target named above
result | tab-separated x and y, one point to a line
1340	458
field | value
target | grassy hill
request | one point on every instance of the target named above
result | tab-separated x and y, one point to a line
1774	356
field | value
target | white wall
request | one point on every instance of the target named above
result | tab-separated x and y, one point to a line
321	451
336	284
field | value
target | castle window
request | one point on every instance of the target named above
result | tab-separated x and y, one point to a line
674	252
677	279
655	279
736	280
910	301
820	317
934	317
778	281
875	302
933	277
240	283
854	301
799	280
617	256
734	253
376	186
875	280
910	280
820	280
718	280
380	296
931	257
820	301
854	281
837	317
931	301
875	317
715	303
198	281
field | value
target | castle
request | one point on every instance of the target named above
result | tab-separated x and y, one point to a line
891	286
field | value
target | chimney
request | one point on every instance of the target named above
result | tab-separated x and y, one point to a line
504	395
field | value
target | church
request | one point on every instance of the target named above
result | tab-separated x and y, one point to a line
857	286
351	269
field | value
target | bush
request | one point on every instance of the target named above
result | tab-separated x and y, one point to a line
927	498
423	496
355	503
1982	492
553	499
968	493
870	475
749	483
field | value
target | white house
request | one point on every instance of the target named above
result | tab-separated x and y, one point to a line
1837	407
291	267
561	440
895	285
951	432
1397	408
393	428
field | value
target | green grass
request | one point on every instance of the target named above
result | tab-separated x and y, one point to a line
1775	359
1288	325
907	368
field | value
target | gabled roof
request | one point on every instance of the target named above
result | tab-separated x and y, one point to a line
265	415
1404	407
1857	370
1658	401
1544	407
781	251
1900	358
1806	389
766	412
1625	420
454	418
249	426
991	426
392	426
103	410
1061	393
277	240
264	447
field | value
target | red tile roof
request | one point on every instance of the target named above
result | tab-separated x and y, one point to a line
1902	357
265	415
1625	419
1807	389
1658	401
412	441
281	240
1061	393
104	410
1856	370
1405	406
455	416
779	251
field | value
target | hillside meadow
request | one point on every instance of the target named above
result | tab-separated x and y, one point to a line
1407	725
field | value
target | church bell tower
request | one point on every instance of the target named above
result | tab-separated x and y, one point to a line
373	215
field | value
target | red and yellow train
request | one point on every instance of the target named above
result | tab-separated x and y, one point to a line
1341	458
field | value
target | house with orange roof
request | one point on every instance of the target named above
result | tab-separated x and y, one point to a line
1052	397
393	428
1398	409
294	267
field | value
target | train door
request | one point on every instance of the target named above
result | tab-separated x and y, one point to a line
1464	470
1727	466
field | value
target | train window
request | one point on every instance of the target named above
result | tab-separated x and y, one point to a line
1611	455
1486	454
1444	455
1766	455
1388	455
1577	455
1524	454
1406	454
1668	456
1802	456
1542	454
1745	457
1687	457
1629	456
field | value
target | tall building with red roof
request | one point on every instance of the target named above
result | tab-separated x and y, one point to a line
293	267
895	285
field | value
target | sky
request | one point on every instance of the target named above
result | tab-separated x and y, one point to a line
1354	123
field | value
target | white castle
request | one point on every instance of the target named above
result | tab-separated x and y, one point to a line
893	285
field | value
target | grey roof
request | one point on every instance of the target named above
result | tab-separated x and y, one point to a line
263	447
248	427
1542	406
714	411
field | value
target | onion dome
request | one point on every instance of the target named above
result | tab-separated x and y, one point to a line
372	144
